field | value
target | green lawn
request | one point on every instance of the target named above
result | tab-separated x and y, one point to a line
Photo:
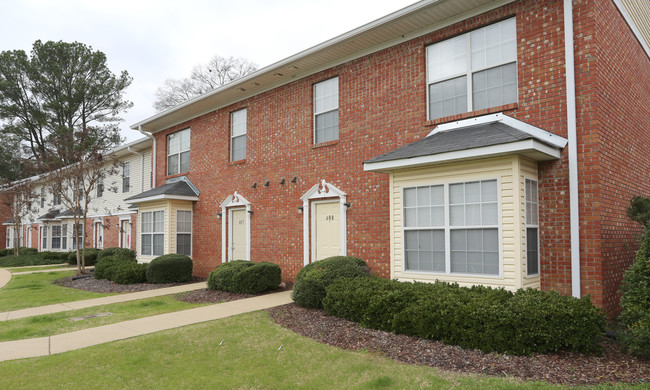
34	290
254	353
57	323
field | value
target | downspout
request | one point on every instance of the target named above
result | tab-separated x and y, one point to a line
141	167
574	203
153	156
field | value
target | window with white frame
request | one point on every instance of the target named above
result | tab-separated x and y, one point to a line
42	197
238	135
77	236
56	237
178	152
64	236
126	176
44	237
100	187
473	71
56	199
326	110
153	233
532	228
184	232
452	228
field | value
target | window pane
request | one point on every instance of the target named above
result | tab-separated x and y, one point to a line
184	244
532	252
184	221
489	191
473	214
172	164
448	97
238	123
158	221
158	244
410	198
494	44
495	87
473	192
447	58
184	142
410	216
146	244
457	215
438	216
425	250
456	193
239	148
327	126
173	143
185	162
147	222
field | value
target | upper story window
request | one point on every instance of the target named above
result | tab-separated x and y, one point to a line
100	187
178	152
56	199
473	71
238	135
326	110
42	197
126	177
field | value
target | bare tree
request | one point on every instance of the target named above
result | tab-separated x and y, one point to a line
204	78
19	198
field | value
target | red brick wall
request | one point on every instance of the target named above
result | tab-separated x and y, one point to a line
382	105
5	214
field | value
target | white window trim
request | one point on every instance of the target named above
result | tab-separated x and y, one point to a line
60	237
448	228
95	231
536	226
179	152
126	176
316	113
119	227
152	233
320	192
191	232
468	73
232	137
234	201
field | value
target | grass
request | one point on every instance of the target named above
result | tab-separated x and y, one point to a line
254	353
45	268
57	323
34	290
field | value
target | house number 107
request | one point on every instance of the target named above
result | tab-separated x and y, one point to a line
329	217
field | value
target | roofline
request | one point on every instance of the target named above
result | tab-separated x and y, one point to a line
161	197
519	147
282	64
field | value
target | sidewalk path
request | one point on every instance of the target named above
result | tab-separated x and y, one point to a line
66	306
43	346
88	268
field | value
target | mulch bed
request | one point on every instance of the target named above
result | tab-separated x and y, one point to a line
560	368
106	286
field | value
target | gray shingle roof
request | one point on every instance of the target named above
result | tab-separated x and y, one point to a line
478	136
50	215
179	188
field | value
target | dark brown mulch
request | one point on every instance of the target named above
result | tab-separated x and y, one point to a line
213	296
106	286
561	368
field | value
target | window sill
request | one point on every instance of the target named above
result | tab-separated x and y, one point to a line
325	144
466	115
238	162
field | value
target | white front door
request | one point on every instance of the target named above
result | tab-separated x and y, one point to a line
327	230
125	234
238	245
99	235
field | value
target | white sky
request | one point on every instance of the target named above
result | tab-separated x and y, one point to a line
156	40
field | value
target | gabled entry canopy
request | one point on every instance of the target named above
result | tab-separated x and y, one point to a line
181	189
486	136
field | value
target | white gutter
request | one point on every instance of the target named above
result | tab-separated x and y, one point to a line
153	156
574	203
141	167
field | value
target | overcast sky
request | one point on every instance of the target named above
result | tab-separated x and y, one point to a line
157	40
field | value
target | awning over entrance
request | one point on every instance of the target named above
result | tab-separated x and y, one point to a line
181	189
486	136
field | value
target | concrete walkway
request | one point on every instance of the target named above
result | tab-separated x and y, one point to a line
5	277
88	268
43	346
66	306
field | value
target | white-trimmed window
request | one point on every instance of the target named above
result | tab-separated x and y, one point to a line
77	236
452	228
326	110
238	135
473	71
56	237
44	237
126	176
178	152
153	233
42	197
100	187
532	228
64	236
184	232
56	199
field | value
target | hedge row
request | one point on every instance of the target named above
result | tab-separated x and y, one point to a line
246	277
90	257
172	268
488	319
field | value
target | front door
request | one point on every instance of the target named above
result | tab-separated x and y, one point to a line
125	234
99	235
327	230
238	248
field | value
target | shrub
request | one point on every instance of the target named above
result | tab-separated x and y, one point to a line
25	259
4	252
310	284
120	253
519	323
58	256
639	210
26	251
242	276
127	272
635	301
89	259
171	268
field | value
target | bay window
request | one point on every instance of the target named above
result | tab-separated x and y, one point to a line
153	233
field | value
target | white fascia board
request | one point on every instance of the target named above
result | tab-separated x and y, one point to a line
536	132
162	197
487	151
632	25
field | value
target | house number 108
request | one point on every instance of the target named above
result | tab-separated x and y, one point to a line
329	217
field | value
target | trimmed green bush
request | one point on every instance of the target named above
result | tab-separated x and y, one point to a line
242	276
635	301
492	320
60	256
120	253
172	268
25	259
127	272
310	284
89	259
